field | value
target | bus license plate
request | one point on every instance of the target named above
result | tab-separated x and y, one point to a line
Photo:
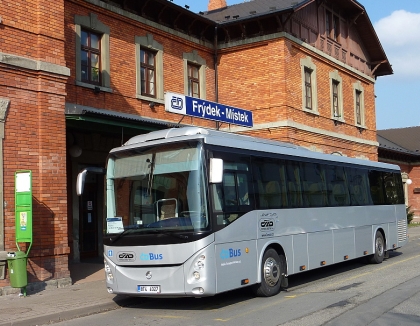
148	288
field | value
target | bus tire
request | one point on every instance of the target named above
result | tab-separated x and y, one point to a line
273	267
379	254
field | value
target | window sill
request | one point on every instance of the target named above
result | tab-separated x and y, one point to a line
361	128
92	87
314	112
150	99
338	120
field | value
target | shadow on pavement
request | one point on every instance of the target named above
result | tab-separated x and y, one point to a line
87	270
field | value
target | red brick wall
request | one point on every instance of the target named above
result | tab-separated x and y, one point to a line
413	198
263	77
35	132
266	78
33	29
122	64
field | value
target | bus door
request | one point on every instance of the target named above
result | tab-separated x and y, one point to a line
236	236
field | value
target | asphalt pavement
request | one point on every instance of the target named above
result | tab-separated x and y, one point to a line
86	296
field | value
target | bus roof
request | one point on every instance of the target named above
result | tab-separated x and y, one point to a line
232	140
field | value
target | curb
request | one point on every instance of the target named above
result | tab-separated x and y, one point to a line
67	315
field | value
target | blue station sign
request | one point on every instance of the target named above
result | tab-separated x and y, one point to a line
195	107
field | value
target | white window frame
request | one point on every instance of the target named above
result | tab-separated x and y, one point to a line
91	22
147	42
307	63
357	87
334	76
194	58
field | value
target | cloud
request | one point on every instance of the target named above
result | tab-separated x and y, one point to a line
399	34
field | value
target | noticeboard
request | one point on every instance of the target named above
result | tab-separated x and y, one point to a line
23	206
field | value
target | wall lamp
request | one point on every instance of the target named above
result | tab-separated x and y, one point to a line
97	90
152	105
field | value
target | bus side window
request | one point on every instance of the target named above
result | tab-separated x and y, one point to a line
400	189
337	188
270	183
258	185
358	185
376	187
313	185
293	184
393	188
273	194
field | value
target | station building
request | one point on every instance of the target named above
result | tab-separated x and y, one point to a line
79	77
401	146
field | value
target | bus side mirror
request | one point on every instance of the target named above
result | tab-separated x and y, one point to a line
216	170
81	177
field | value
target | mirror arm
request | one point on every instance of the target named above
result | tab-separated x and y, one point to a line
81	177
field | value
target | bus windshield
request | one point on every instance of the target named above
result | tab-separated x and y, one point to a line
156	189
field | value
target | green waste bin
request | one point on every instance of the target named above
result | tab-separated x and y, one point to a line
16	262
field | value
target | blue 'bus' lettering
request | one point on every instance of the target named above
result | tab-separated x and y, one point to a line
230	253
151	256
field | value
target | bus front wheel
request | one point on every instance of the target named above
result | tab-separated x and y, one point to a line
273	268
379	254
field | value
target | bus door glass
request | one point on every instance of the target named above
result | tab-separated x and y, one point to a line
234	196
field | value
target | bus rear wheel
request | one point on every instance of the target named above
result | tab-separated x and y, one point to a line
273	268
379	254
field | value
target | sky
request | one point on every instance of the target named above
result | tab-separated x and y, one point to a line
397	24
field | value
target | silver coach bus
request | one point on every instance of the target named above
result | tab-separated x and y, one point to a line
196	212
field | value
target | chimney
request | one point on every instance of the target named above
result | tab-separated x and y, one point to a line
216	4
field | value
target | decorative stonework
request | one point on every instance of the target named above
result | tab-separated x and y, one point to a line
4	106
30	64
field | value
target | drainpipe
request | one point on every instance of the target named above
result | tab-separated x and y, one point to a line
216	78
4	107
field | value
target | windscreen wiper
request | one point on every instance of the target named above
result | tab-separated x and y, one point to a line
125	232
180	236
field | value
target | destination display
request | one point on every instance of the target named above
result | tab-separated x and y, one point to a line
191	106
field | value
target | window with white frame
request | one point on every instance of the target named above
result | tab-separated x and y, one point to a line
309	85
194	75
193	80
149	68
147	72
336	91
92	52
359	104
335	86
90	57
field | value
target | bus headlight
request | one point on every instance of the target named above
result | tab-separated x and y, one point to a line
199	264
196	275
108	273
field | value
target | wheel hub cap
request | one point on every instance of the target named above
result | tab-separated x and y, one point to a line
271	272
